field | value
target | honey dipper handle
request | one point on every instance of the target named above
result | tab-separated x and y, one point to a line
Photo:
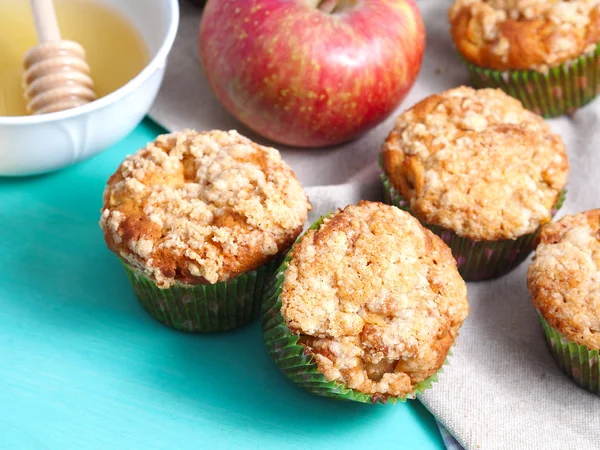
46	24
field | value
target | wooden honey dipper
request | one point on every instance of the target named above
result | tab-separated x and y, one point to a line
57	77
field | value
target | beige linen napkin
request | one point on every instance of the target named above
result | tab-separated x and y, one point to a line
502	389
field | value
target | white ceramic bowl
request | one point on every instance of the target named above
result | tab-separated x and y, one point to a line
36	144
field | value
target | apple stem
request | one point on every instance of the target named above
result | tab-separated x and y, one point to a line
327	6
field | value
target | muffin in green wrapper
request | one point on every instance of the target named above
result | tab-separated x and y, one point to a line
365	307
546	54
204	307
577	361
564	286
477	259
478	170
200	221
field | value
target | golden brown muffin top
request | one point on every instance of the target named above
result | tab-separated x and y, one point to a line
199	208
564	278
524	34
376	297
477	163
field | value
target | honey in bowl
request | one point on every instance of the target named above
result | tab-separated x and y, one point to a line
114	49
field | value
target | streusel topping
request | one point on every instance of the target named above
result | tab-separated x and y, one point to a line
476	162
202	207
525	34
564	278
376	297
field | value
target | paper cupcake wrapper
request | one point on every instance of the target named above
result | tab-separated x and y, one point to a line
561	90
577	361
204	308
476	260
297	362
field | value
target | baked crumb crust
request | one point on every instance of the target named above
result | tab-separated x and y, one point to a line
197	208
524	34
375	297
477	163
564	278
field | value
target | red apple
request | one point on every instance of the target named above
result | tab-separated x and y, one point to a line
311	73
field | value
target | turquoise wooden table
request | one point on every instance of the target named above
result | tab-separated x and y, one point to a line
82	366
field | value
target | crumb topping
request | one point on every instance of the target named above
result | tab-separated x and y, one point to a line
564	278
525	34
375	297
476	162
202	207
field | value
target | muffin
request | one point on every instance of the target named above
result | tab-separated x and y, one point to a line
565	288
545	53
480	171
200	220
365	307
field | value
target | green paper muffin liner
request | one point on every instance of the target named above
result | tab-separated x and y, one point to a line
204	308
577	361
297	362
561	90
476	260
